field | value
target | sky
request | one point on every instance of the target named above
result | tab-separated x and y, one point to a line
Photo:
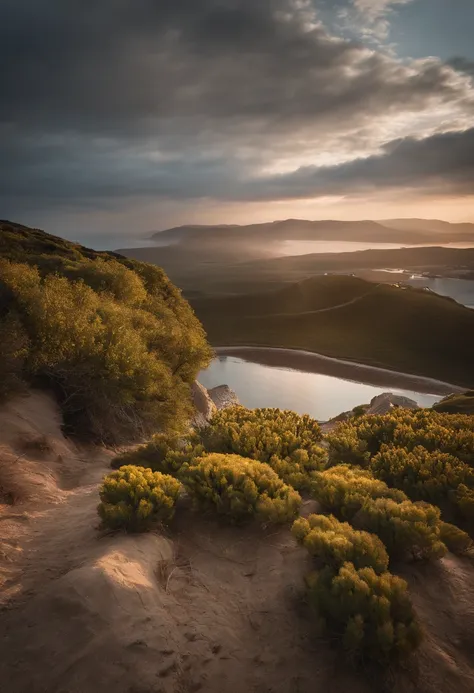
122	117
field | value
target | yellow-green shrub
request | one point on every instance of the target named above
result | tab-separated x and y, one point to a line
286	441
14	346
455	539
408	530
119	346
334	543
165	453
342	490
371	615
357	440
136	499
421	474
464	499
239	489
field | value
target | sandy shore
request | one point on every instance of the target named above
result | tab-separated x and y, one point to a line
310	362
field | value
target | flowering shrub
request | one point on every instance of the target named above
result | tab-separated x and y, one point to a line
334	543
240	489
342	490
370	614
464	499
286	441
455	539
136	499
421	474
357	440
408	530
165	453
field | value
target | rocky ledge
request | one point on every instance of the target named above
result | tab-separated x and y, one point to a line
207	402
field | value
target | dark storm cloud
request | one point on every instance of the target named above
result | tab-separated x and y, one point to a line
89	90
443	165
127	64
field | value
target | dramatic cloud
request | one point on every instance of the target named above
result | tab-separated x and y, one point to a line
439	165
187	99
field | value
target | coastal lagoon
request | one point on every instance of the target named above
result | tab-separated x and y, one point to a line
321	395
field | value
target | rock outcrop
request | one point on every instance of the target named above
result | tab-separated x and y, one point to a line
381	404
205	407
387	401
223	397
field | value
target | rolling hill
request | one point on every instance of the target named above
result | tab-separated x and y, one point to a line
402	329
211	271
413	231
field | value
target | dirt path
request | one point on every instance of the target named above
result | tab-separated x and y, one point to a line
329	308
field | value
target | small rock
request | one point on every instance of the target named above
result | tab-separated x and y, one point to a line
384	403
223	397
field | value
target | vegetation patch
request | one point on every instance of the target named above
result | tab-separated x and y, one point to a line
343	490
240	489
113	338
455	539
164	453
286	441
456	404
357	440
334	543
371	615
136	499
464	499
410	531
422	474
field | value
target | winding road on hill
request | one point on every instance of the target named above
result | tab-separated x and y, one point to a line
328	308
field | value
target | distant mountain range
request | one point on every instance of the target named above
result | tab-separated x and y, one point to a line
410	231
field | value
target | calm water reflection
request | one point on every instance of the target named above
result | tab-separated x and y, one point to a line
321	396
462	290
305	247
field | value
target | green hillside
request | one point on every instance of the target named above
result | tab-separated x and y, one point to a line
457	403
113	338
243	268
403	329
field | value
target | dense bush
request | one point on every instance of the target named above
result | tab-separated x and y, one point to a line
347	447
136	499
240	489
14	345
357	440
464	499
371	614
408	530
285	440
113	338
165	453
462	403
335	543
342	490
421	474
455	539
